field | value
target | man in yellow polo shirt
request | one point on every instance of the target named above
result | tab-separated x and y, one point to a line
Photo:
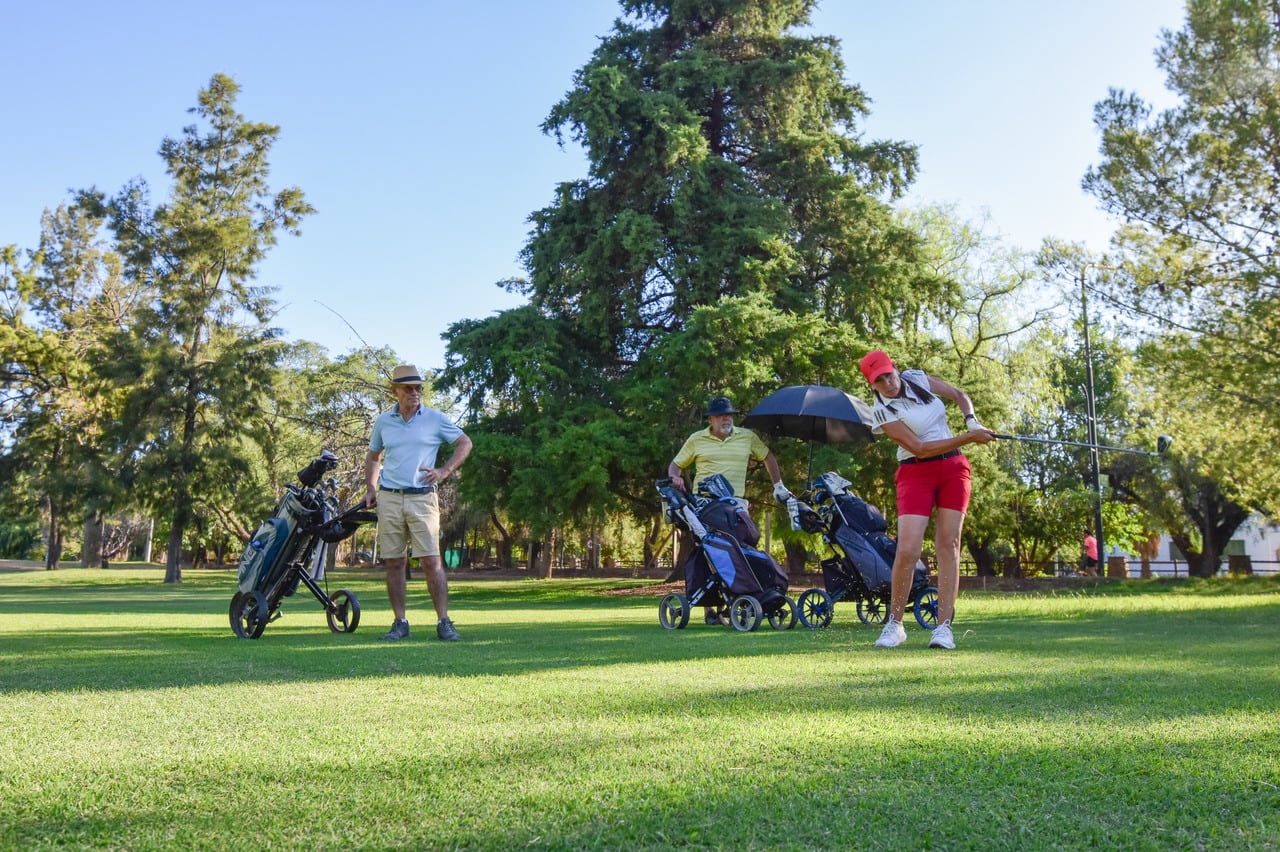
725	449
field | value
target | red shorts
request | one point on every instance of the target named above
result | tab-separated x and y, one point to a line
944	483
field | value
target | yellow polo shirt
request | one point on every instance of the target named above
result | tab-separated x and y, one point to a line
710	455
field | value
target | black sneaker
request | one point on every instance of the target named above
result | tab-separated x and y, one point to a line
716	618
399	630
445	631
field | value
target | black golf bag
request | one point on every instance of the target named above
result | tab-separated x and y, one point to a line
725	571
290	548
862	567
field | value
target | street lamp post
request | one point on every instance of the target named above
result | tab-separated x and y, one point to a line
1091	412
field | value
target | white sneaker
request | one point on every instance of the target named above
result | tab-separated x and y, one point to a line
893	635
942	637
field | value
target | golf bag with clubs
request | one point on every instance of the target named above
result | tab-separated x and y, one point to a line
725	571
291	547
862	567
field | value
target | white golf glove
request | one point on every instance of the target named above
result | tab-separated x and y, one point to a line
972	422
780	492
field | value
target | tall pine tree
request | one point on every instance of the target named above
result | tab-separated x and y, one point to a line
725	164
200	357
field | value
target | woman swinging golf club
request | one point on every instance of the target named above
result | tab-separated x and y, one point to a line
932	473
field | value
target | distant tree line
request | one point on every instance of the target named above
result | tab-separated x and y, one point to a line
735	232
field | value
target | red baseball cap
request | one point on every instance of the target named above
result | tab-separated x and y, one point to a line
874	365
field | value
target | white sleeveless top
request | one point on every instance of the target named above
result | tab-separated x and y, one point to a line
927	419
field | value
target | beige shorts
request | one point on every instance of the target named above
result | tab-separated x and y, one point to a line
408	521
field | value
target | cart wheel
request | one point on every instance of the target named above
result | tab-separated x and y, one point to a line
344	615
745	613
816	608
673	612
233	612
873	611
249	614
926	608
784	617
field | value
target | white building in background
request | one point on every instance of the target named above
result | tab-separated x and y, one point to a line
1257	538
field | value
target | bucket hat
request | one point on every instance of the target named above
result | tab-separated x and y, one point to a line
720	405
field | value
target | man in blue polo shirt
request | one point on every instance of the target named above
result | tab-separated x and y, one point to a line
401	476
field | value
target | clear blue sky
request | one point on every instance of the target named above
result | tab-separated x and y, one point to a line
412	127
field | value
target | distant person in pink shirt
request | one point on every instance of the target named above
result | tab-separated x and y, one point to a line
1090	554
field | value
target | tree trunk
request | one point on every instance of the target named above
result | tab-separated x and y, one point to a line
173	555
151	534
1215	518
546	562
91	547
503	548
683	551
983	559
53	554
796	558
654	543
186	466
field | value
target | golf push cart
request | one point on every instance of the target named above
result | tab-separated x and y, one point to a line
725	572
861	569
290	548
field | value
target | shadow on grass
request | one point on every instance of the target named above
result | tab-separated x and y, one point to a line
135	634
908	747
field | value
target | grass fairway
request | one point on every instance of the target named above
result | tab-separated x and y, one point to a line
1134	716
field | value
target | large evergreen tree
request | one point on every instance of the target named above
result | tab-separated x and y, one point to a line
199	360
725	163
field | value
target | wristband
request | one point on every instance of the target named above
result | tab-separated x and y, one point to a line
969	417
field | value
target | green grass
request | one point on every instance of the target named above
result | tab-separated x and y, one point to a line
1135	716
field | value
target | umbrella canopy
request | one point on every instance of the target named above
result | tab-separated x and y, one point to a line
812	413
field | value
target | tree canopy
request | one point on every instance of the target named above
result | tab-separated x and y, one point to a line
197	362
729	194
1198	186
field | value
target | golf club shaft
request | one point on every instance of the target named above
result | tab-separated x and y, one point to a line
1076	444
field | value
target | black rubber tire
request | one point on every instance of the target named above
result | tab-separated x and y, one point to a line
249	614
673	612
745	613
784	617
345	615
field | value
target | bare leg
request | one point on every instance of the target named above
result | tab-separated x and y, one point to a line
911	530
396	585
949	523
437	585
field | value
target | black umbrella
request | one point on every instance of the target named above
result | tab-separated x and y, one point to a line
812	413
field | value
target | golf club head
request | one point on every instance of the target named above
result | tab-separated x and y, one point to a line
1162	443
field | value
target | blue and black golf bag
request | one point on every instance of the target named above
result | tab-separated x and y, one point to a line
862	567
726	571
290	548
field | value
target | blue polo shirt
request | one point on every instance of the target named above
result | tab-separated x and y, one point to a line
409	445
